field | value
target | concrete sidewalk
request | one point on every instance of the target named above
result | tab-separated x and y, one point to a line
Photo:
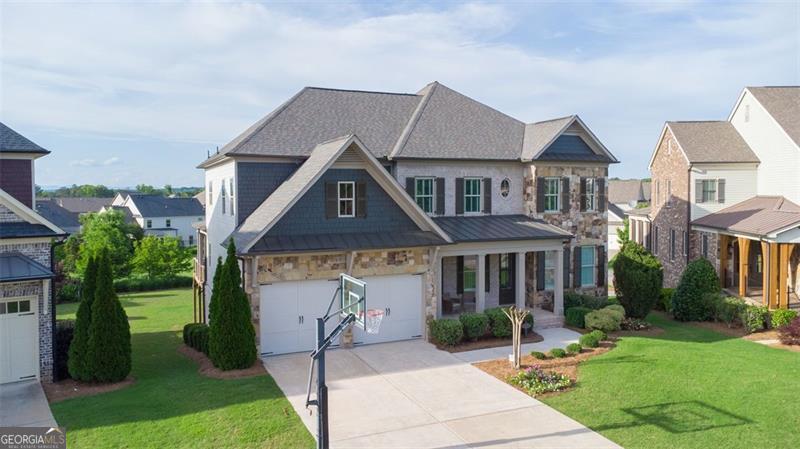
23	404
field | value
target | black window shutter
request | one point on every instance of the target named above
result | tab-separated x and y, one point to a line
720	190
601	265
565	195
487	195
698	191
331	208
583	194
601	194
459	196
361	199
540	194
460	274
486	273
576	272
439	196
540	270
566	266
410	186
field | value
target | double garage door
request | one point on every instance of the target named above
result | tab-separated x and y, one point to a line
19	346
289	309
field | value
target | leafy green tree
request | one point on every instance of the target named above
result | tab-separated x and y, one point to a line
147	189
638	276
106	231
109	346
698	279
160	256
77	362
623	235
232	343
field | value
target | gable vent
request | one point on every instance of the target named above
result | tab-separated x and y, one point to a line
349	159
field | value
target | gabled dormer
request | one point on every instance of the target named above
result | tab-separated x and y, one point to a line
17	156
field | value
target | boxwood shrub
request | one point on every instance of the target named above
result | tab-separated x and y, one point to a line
558	353
589	340
698	279
575	316
754	318
606	320
475	325
500	324
447	332
195	335
616	307
572	299
599	334
638	276
782	317
538	355
573	348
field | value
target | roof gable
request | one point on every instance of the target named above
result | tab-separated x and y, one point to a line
783	104
28	215
160	206
14	142
563	139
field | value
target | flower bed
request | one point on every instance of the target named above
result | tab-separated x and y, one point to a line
536	381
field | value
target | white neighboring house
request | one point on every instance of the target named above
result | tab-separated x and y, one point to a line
161	216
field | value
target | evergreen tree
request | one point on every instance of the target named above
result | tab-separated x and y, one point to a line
109	348
232	339
212	303
77	361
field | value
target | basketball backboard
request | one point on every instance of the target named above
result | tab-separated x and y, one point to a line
353	297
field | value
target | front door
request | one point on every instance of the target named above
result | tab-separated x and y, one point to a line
507	270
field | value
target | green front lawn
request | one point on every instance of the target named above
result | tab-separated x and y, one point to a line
689	388
171	405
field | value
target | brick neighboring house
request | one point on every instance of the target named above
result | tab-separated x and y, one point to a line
27	309
441	203
728	191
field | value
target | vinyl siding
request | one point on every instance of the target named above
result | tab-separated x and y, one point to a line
255	181
740	184
16	178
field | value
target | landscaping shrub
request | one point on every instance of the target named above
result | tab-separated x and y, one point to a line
447	332
634	324
600	335
790	334
573	348
63	338
200	338
145	285
69	292
782	317
498	322
575	316
77	361
535	381
538	355
638	276
605	319
475	325
617	308
572	299
724	309
665	299
697	279
754	318
589	340
558	353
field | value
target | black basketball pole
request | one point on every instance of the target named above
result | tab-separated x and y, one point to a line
322	389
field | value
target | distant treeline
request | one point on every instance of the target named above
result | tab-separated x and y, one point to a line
101	191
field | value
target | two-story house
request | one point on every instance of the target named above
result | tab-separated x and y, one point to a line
441	203
728	191
27	310
162	216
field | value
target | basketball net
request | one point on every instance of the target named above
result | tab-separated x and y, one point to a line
372	320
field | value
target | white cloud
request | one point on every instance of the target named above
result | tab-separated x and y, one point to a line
95	163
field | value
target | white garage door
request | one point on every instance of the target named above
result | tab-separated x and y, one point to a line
289	309
19	345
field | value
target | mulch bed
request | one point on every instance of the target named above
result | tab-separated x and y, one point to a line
491	342
70	388
206	368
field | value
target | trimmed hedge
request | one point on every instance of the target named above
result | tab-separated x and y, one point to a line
558	353
195	335
576	316
697	279
500	324
572	299
475	325
606	320
447	332
616	307
63	337
782	317
724	309
538	355
589	340
146	285
638	276
573	348
599	334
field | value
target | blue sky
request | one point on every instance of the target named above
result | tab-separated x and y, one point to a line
125	92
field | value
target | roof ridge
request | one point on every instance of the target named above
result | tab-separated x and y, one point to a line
697	121
333	89
552	119
413	119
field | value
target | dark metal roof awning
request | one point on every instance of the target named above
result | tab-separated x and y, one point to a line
759	215
16	267
345	242
493	228
25	229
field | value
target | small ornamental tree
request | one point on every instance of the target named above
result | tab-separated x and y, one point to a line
698	279
109	348
232	339
638	276
77	360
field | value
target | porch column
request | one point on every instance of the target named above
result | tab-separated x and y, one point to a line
558	293
519	281
723	259
783	297
773	276
480	286
744	246
765	269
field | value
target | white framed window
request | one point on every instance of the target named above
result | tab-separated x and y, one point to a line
347	199
549	270
424	192
210	192
552	194
472	195
709	190
588	270
591	190
223	196
169	223
230	189
470	271
148	224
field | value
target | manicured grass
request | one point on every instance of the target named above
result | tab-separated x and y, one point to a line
171	405
689	388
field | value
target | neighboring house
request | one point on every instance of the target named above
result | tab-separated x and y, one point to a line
442	204
54	213
161	216
628	194
82	205
729	191
616	223
201	197
27	310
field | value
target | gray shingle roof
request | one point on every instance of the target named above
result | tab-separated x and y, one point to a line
783	104
614	209
345	241
498	227
25	229
760	215
58	215
159	206
14	142
82	205
623	191
539	134
711	141
16	266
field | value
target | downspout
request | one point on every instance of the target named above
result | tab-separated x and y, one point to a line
688	213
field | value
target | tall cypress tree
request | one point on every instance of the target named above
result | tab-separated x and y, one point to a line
213	302
109	348
232	338
77	361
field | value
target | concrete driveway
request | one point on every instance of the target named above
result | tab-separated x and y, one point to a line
23	404
411	395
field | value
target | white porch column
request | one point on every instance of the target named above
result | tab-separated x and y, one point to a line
558	294
480	286
519	280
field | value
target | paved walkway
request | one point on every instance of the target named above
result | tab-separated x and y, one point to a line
23	404
411	395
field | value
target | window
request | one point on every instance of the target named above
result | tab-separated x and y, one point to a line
685	244
423	193
470	279
191	240
347	199
709	190
658	191
705	246
222	196
472	195
505	187
230	185
655	239
169	222
668	193
149	224
505	270
549	270
672	244
590	193
210	192
552	194
587	266
22	306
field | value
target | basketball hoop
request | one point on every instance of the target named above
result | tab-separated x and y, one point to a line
372	320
